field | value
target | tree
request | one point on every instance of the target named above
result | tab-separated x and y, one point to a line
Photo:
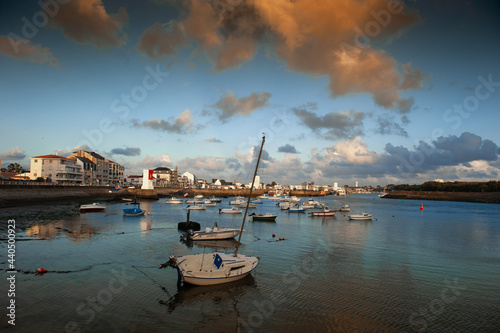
15	167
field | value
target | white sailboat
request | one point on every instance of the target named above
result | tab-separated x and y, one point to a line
216	268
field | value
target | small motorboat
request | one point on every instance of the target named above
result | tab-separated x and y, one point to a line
268	217
232	210
209	203
214	199
214	233
95	207
345	208
296	209
325	212
196	207
361	217
173	201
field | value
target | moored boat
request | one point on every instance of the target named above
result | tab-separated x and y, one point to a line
361	217
214	233
94	207
268	217
232	210
325	212
196	207
173	201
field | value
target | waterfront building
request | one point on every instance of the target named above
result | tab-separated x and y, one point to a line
104	171
166	177
58	169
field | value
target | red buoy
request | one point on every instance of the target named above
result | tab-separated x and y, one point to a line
41	270
421	206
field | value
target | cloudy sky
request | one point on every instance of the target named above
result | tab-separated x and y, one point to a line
374	91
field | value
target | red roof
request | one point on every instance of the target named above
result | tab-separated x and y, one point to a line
51	156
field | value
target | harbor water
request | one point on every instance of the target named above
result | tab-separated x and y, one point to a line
408	270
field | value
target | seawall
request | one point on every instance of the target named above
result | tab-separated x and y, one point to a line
484	197
23	195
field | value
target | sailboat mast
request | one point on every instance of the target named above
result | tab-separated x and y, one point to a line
249	195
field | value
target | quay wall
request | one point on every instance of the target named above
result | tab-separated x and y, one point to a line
484	197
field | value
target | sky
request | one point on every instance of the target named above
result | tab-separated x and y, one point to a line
374	91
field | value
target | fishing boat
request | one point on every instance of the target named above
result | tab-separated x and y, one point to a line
173	201
232	210
268	217
214	233
325	212
94	207
361	217
217	267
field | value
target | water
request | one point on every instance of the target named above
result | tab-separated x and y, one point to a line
408	270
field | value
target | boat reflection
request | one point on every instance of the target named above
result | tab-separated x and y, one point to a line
188	294
78	232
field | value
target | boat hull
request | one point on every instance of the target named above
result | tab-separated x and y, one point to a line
200	269
323	213
92	208
361	217
215	235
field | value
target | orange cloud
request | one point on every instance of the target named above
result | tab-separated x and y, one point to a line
25	50
330	38
87	22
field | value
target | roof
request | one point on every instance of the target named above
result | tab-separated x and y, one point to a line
51	156
96	155
83	159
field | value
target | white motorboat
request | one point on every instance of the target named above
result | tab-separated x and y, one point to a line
196	207
232	210
345	208
284	205
214	233
199	196
250	205
236	202
214	199
173	201
217	267
95	207
268	217
361	217
209	203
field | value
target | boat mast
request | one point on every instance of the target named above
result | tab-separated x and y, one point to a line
249	195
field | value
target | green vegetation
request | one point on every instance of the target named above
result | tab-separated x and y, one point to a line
491	186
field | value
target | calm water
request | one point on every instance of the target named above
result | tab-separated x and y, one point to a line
435	270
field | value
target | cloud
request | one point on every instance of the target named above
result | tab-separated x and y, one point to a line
229	105
355	151
325	38
338	124
13	154
87	22
387	126
288	148
214	140
23	49
159	40
126	151
67	152
181	124
148	162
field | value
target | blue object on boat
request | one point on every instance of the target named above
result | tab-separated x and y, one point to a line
217	261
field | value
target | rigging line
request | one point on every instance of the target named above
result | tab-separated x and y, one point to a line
156	282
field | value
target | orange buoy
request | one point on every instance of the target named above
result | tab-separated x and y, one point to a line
421	206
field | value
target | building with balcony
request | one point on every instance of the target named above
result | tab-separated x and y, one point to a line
56	168
100	170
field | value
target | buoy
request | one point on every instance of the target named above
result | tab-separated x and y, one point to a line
421	206
274	235
41	270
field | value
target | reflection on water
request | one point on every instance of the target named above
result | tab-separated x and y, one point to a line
329	274
74	230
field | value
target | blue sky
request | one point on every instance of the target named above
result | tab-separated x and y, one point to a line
372	91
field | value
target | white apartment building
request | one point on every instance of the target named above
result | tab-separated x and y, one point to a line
59	169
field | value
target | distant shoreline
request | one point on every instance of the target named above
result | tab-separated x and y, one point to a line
479	197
